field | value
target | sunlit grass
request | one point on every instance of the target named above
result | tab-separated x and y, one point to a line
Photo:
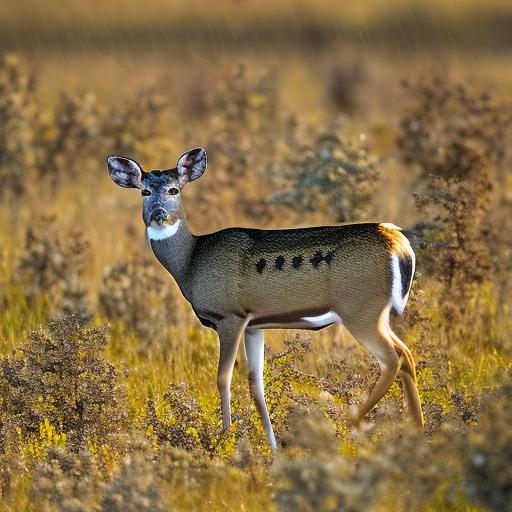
170	431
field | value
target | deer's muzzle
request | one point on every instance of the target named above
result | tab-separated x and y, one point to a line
160	216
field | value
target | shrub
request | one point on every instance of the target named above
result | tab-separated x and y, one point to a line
76	128
180	421
333	176
138	293
53	265
135	488
458	249
317	477
286	385
487	470
344	81
18	115
395	467
444	116
64	482
129	128
455	136
60	376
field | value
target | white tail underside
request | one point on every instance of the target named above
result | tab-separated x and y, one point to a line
398	300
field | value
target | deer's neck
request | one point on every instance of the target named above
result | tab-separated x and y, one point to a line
175	252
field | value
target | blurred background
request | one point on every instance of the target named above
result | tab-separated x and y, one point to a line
114	47
312	113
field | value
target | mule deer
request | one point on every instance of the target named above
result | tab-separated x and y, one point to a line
245	280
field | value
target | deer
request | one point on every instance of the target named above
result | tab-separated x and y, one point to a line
241	281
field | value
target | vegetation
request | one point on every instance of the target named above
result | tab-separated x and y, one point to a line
107	395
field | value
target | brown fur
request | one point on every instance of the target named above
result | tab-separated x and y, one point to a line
394	238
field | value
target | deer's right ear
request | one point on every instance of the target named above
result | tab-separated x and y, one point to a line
125	172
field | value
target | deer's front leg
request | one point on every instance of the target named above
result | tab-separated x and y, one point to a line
255	351
229	331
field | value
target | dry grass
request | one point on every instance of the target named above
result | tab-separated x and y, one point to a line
107	418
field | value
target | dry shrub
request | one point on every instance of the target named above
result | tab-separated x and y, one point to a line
53	265
187	469
242	120
18	114
69	482
65	482
60	375
344	80
196	481
444	116
129	129
456	137
140	295
312	476
243	107
181	422
62	140
76	129
136	487
458	251
287	386
333	176
487	470
181	419
397	468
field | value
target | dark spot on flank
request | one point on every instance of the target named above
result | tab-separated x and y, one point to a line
280	262
297	261
260	266
317	259
329	257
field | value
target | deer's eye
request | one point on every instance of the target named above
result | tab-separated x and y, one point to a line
173	191
146	192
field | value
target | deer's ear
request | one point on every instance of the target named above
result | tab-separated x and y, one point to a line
125	172
191	165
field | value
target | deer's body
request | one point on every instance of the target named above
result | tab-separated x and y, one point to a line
284	278
240	281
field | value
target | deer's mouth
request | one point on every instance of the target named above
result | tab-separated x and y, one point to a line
160	217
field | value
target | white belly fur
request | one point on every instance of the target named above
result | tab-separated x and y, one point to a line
322	320
306	322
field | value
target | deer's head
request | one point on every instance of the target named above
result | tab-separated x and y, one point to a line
162	211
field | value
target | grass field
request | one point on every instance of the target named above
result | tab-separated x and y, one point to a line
107	380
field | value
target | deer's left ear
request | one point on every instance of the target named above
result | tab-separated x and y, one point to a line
191	165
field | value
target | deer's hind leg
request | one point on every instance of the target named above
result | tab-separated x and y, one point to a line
374	334
408	374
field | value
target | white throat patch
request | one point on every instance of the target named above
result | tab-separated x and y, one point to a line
156	232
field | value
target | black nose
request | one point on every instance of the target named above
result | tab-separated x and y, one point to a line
159	216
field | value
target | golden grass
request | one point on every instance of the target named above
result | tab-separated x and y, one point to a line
82	47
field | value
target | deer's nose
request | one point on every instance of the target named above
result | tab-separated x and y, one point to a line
159	216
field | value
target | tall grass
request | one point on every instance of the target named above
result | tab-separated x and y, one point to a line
125	416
